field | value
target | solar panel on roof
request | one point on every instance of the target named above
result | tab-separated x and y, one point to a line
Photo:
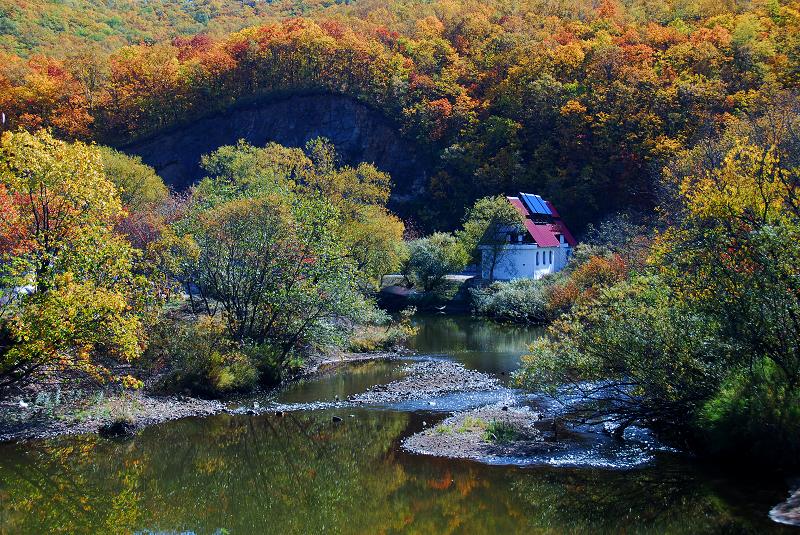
529	204
535	204
544	205
534	209
525	202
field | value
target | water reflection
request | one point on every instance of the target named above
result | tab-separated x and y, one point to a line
305	474
478	344
342	382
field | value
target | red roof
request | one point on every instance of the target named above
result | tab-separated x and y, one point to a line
562	227
544	234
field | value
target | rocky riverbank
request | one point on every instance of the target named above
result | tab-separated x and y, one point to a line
42	414
116	413
788	512
487	434
428	379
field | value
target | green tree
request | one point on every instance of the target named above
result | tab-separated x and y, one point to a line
633	356
138	185
371	235
431	259
285	239
277	269
486	228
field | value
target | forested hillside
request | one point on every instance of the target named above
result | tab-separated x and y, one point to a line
582	101
57	27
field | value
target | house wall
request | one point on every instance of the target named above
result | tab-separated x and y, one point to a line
519	261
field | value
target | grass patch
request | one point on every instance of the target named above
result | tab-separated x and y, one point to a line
501	432
123	408
471	423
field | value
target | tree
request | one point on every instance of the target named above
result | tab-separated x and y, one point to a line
431	259
71	296
276	268
286	240
374	241
138	185
370	234
735	257
632	356
708	343
486	228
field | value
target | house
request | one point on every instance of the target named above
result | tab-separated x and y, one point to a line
543	247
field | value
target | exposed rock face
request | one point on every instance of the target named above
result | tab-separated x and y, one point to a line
359	133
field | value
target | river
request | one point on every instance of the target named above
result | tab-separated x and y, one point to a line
304	473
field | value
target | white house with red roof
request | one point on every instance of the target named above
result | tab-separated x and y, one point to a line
542	248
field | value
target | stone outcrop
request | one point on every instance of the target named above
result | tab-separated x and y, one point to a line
359	133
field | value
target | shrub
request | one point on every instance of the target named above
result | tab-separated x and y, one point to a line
198	357
431	259
635	355
273	363
385	335
591	269
755	413
519	301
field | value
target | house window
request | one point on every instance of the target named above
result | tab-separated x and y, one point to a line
551	257
537	258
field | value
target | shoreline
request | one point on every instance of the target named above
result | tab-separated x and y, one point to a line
143	408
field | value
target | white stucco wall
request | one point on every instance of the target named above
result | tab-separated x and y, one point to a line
519	261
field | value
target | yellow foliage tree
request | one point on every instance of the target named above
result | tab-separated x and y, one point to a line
67	280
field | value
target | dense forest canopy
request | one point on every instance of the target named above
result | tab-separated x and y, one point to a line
53	27
583	102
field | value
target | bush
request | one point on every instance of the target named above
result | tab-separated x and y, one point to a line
590	269
431	259
273	364
756	414
636	355
386	335
198	357
519	301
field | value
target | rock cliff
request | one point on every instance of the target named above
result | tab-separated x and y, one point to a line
358	132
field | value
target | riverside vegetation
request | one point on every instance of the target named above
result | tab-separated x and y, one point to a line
685	321
107	277
680	315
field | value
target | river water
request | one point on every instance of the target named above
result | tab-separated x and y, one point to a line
303	473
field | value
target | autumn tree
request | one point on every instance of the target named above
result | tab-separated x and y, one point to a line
370	233
285	239
276	269
70	295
